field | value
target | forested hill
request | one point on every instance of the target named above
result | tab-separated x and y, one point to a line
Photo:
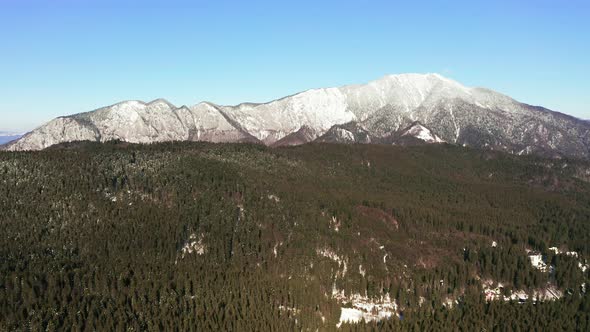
239	237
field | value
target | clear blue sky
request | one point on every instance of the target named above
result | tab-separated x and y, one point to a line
60	57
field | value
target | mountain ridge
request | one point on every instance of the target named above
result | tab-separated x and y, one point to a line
471	116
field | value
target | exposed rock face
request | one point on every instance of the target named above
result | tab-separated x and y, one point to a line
371	113
414	134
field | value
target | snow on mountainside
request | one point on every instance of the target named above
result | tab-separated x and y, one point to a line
370	113
422	133
137	122
348	133
304	135
318	109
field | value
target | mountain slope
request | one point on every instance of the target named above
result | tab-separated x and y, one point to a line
305	134
456	114
415	134
137	122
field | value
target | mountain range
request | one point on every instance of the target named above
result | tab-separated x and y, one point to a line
396	109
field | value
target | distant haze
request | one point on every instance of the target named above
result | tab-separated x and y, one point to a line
8	138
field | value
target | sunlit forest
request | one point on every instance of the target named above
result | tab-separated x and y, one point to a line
242	237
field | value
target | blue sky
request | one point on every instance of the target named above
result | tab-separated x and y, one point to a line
61	57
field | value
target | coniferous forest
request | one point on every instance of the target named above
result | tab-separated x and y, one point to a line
241	237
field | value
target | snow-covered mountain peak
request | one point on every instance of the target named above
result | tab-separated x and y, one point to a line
317	108
381	110
412	77
202	105
423	82
126	105
136	105
161	103
403	92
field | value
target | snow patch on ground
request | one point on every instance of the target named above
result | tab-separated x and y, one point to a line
581	264
342	261
449	302
195	245
550	293
538	262
274	249
557	251
361	307
352	315
335	224
494	293
291	310
110	196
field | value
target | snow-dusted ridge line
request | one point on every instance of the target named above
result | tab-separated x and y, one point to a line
448	111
